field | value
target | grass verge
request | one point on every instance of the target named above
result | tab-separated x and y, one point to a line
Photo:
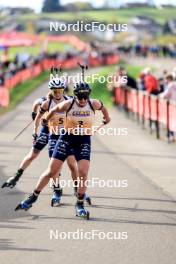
99	90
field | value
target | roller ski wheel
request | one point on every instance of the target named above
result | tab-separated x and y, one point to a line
55	200
27	204
81	212
10	183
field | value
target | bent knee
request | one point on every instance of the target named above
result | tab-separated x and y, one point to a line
51	172
83	173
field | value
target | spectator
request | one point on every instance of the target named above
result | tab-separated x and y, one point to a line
1	78
161	82
150	82
170	94
141	84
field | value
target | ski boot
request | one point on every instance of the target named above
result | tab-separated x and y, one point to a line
81	211
12	181
87	199
27	204
56	197
86	196
75	190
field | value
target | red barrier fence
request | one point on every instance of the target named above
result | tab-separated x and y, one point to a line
4	97
148	107
111	59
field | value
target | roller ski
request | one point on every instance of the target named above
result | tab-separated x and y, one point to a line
27	204
11	182
81	211
56	198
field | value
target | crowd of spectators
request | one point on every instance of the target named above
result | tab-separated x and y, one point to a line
148	50
148	82
9	68
163	87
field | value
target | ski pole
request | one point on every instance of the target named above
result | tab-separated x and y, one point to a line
82	70
22	130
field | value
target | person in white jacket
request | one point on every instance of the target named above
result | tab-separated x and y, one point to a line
170	91
170	94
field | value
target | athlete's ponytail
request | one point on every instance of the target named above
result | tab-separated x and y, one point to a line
50	95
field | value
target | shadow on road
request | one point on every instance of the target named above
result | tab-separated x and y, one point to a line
136	222
135	209
7	244
148	155
105	220
9	200
136	198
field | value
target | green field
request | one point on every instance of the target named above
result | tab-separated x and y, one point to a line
118	15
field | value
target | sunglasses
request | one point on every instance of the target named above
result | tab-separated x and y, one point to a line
80	97
84	96
56	90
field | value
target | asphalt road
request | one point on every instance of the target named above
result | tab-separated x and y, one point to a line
141	216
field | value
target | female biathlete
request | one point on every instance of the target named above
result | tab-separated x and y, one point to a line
79	116
55	125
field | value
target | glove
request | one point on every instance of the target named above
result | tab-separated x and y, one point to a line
44	122
106	121
33	115
35	136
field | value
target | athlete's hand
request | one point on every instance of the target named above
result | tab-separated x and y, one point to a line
35	136
33	115
44	122
106	120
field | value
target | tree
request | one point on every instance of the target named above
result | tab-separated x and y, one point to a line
51	6
83	6
78	6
